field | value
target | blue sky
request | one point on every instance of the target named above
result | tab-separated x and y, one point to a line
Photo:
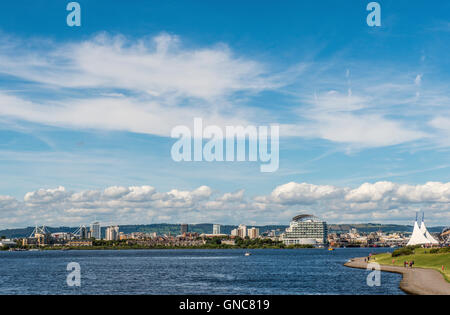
363	112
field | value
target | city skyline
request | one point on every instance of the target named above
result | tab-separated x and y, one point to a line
87	229
86	112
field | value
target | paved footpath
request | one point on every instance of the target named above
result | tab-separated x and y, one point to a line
418	281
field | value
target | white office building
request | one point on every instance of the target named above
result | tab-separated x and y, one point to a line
216	229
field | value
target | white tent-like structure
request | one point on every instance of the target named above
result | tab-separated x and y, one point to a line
417	238
427	234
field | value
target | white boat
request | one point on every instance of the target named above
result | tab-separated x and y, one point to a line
247	254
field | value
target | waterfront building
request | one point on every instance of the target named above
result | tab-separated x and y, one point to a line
83	232
40	236
7	243
216	229
306	229
96	231
112	233
123	236
253	233
77	243
183	229
234	232
242	231
43	239
228	242
213	235
61	236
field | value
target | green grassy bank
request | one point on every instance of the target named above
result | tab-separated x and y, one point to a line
422	257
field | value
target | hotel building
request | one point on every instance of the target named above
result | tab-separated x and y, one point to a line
306	229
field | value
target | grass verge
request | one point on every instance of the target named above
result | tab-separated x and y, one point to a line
422	258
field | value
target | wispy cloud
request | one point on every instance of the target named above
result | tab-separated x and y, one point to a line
153	84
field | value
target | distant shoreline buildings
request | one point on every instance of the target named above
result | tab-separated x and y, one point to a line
303	230
243	232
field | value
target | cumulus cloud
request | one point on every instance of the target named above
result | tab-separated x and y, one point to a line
236	196
140	193
48	196
370	202
115	192
430	192
301	193
370	192
387	191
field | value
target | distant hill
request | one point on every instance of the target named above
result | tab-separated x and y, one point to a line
174	229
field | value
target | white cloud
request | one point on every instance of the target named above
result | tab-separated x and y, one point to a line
152	84
115	192
350	119
46	196
236	196
384	202
418	80
146	86
390	192
370	192
157	66
442	123
430	192
301	193
140	193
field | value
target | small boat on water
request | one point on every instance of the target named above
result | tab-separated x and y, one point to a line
330	249
247	254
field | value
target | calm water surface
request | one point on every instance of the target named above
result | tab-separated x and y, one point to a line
305	271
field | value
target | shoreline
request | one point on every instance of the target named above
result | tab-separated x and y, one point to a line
88	248
416	281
